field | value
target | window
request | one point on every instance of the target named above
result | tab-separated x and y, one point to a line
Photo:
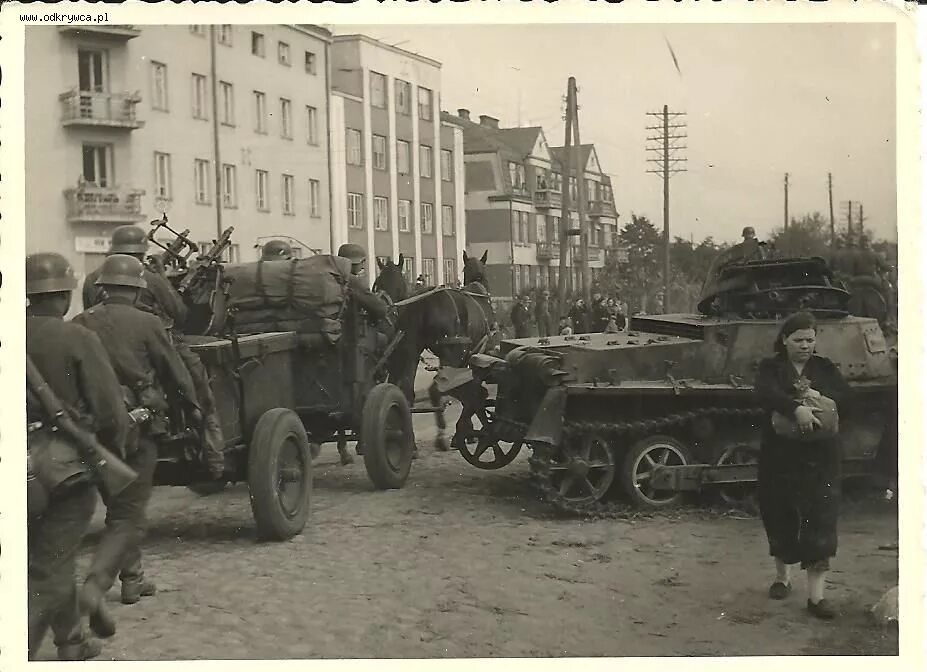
379	152
428	216
380	213
450	272
520	223
229	186
447	161
162	175
158	86
260	112
260	190
403	157
556	180
424	104
257	44
355	211
98	164
283	53
524	220
377	89
403	97
314	196
225	34
198	29
201	177
425	160
92	70
573	189
517	176
555	230
355	151
312	125
428	270
199	97
228	104
405	216
408	268
516	279
590	190
447	220
310	62
286	119
542	229
288	195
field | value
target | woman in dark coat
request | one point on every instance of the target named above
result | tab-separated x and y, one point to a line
799	479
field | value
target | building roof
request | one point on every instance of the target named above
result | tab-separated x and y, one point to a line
559	154
479	138
388	47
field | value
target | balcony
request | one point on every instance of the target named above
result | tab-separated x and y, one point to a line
99	110
599	208
594	254
117	205
548	251
546	198
119	33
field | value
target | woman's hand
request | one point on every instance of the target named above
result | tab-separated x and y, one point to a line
806	419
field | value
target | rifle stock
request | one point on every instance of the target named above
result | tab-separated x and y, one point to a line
114	474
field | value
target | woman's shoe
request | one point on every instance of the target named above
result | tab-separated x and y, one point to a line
822	610
780	590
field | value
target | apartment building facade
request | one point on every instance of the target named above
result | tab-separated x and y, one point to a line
397	170
514	186
122	121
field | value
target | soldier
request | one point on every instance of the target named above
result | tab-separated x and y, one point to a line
520	317
373	304
76	368
147	367
542	314
276	250
159	298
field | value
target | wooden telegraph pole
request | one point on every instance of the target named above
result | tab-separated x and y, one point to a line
580	170
830	201
786	214
667	161
565	195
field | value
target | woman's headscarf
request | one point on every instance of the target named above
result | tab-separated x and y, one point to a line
794	322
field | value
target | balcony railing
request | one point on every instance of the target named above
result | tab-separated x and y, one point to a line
92	108
548	251
89	203
594	254
121	32
547	198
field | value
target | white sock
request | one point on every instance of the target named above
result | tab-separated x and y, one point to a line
783	572
816	585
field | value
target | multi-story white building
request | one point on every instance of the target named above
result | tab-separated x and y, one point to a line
397	170
120	119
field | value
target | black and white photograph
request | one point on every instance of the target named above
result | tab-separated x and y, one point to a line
469	340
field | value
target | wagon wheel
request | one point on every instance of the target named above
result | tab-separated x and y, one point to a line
279	475
639	464
387	434
743	496
474	449
583	475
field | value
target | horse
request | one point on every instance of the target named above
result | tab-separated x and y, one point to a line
452	323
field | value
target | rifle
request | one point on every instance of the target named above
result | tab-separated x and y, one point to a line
198	268
114	474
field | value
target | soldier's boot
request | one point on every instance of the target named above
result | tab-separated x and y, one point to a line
346	457
135	588
85	649
91	603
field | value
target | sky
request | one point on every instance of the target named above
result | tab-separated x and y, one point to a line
761	100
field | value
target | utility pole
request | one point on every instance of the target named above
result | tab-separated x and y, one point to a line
565	196
786	215
215	128
862	222
667	161
850	219
830	201
581	202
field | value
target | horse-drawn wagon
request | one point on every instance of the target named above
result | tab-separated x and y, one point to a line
279	395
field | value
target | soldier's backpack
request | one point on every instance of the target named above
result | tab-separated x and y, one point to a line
302	295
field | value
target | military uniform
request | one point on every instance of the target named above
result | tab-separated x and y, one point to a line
76	368
373	304
147	367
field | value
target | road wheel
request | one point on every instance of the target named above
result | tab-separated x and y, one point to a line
639	464
387	434
743	496
279	475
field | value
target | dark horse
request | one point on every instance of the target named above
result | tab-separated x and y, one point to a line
451	323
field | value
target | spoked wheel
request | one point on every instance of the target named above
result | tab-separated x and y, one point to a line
387	435
582	475
279	475
736	494
639	463
484	448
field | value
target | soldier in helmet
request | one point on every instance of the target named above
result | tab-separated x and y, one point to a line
276	250
374	305
77	369
159	298
148	369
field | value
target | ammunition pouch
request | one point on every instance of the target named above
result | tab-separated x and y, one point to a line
56	462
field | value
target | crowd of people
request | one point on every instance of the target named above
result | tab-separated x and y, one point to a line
543	316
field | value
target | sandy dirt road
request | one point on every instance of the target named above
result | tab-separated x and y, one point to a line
465	563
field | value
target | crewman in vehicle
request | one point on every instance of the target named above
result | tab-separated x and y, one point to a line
73	362
373	304
276	250
160	298
148	368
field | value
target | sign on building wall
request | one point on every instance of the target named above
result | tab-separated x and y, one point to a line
91	244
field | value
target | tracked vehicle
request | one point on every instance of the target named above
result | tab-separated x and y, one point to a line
668	406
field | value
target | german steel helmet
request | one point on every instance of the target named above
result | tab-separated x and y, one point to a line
48	272
276	249
748	231
121	269
128	239
354	252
